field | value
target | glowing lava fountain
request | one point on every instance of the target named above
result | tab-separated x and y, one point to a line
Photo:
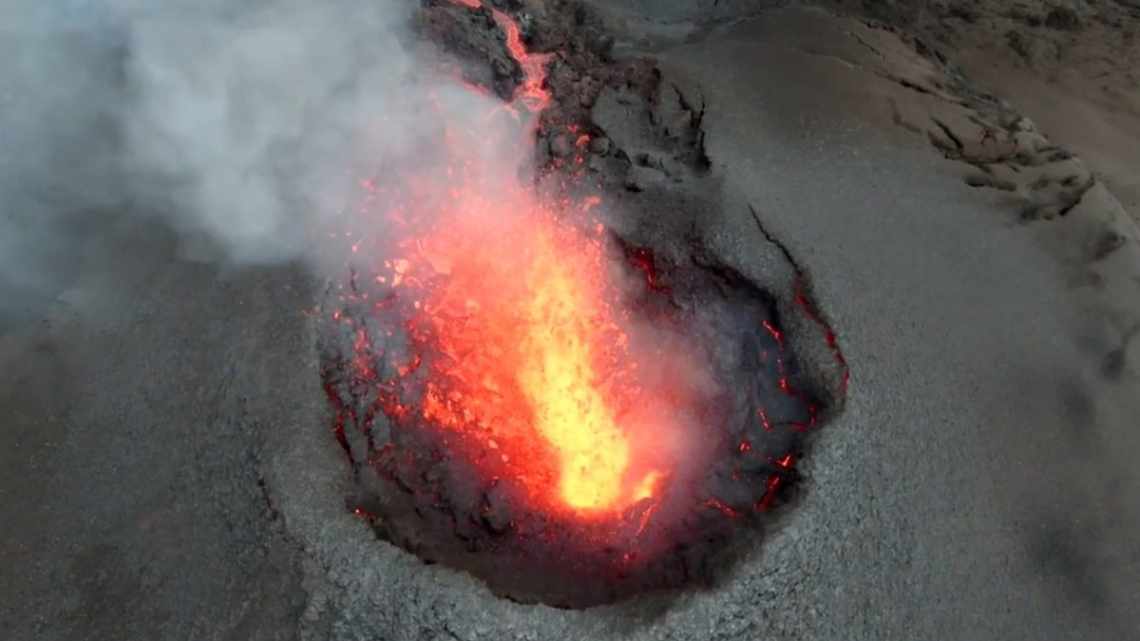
528	398
532	365
527	363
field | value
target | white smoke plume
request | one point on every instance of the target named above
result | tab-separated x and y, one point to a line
243	123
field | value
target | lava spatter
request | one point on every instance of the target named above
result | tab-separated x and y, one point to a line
527	340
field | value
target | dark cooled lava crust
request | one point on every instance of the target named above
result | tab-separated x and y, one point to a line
418	492
422	495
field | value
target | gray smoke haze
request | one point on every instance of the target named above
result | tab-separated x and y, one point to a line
241	123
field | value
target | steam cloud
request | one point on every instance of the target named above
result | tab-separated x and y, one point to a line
244	123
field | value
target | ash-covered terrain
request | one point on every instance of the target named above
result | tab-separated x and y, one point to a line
935	200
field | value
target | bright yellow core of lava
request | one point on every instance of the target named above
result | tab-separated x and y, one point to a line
528	364
535	370
560	381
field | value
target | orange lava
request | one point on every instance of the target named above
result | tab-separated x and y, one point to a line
515	317
530	92
533	369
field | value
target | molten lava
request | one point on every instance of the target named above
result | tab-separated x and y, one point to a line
560	335
528	397
517	354
532	364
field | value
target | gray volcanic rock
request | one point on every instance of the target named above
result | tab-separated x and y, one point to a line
131	483
989	345
167	470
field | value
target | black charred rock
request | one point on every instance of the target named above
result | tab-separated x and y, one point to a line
496	511
477	42
1063	19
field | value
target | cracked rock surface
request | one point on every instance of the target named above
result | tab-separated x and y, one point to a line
1071	66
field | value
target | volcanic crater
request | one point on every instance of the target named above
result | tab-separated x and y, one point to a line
563	409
